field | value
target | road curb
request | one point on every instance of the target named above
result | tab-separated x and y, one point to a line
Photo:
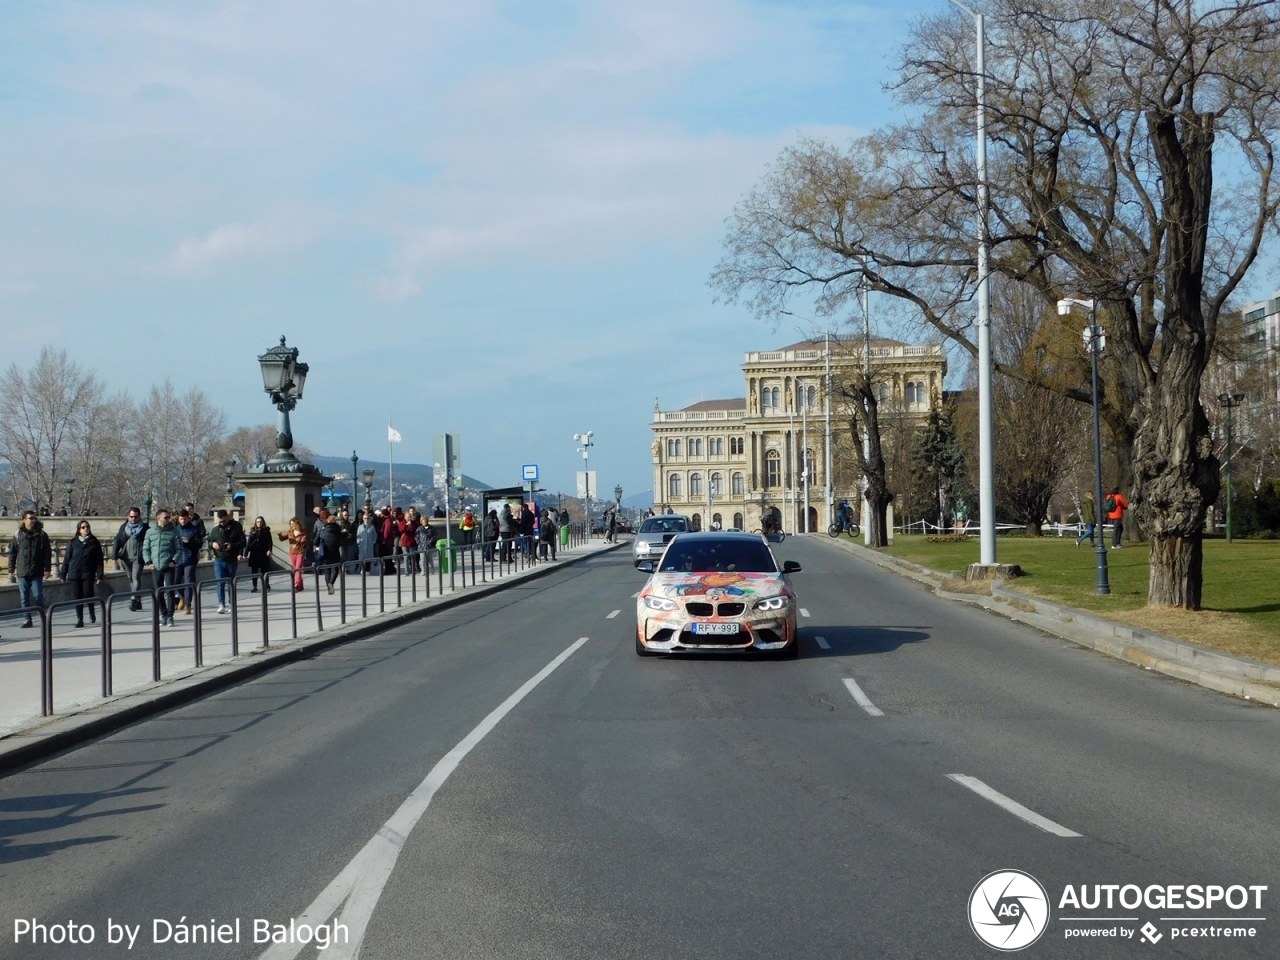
61	732
1212	669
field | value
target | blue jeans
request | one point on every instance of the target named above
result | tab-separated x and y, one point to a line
31	589
224	569
1087	535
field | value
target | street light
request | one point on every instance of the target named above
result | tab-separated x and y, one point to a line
986	442
1094	340
230	467
70	483
368	488
585	450
617	495
1229	400
354	480
283	378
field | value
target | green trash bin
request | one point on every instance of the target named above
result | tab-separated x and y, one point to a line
564	535
448	555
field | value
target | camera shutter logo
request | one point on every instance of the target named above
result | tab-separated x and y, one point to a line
1008	910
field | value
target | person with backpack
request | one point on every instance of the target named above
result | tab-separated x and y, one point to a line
1113	508
1088	519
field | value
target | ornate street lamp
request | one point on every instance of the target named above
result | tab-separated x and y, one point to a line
70	483
283	378
617	495
230	467
355	479
1229	400
368	487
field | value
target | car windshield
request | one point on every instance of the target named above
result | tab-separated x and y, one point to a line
721	556
665	525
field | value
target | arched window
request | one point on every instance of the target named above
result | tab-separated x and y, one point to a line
737	445
922	395
737	521
695	446
777	398
696	521
717	485
673	448
773	469
673	485
766	399
884	393
739	485
695	484
716	522
807	469
911	393
715	446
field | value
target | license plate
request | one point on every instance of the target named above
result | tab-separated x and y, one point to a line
718	628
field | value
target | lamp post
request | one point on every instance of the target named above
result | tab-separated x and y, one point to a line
283	378
354	480
1094	340
229	466
69	483
986	442
151	498
617	495
368	488
585	450
1229	400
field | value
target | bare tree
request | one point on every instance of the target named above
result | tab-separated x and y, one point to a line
39	413
1108	122
177	442
857	396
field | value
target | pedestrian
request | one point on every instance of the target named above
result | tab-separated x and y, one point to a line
257	548
298	540
228	542
1114	507
438	513
425	537
349	548
329	549
162	548
82	568
490	534
197	521
613	526
1088	519
30	561
408	529
468	527
367	538
526	530
562	522
387	536
127	552
506	533
189	531
548	534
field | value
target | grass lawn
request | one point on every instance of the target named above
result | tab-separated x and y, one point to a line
1241	586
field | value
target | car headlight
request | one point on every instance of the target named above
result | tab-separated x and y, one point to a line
642	546
659	603
772	603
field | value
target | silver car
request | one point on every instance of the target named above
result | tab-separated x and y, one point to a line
655	533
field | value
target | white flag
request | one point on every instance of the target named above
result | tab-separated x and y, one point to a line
393	435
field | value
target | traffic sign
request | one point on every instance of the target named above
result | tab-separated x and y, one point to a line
529	473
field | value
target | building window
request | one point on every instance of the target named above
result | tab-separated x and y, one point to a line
737	521
808	397
772	469
737	445
696	522
717	484
695	446
673	486
739	485
777	399
884	393
922	395
717	522
715	446
911	393
673	448
695	484
766	400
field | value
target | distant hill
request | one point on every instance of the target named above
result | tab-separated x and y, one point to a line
413	474
639	501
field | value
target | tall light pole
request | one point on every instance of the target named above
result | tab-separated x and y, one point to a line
1095	340
986	442
368	491
70	483
585	449
804	447
355	462
1229	400
826	439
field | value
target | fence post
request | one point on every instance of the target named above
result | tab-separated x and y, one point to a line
156	593
198	633
342	594
235	620
266	626
319	612
293	602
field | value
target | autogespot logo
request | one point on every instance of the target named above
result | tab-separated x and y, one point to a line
1008	910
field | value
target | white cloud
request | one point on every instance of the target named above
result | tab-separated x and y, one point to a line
240	241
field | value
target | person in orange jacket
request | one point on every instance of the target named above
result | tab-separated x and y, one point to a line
1114	507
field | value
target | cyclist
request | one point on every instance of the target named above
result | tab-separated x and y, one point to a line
844	515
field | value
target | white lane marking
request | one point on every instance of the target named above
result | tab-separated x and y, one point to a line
804	612
361	881
612	615
863	701
822	642
636	594
1013	806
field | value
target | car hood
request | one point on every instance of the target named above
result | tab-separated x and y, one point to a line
673	585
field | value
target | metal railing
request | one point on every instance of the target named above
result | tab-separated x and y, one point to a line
418	575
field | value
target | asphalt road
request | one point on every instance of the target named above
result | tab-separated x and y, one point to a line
628	807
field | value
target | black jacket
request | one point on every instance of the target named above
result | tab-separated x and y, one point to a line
30	553
258	546
120	545
83	560
230	538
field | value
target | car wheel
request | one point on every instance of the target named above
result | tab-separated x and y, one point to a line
642	650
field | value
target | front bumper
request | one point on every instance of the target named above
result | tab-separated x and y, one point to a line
671	634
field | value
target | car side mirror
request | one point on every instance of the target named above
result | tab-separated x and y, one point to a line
790	566
645	565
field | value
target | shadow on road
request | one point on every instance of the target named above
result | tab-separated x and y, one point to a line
848	641
58	811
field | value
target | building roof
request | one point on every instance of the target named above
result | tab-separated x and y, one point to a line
821	344
737	403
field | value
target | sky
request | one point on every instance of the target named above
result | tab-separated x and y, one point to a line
492	219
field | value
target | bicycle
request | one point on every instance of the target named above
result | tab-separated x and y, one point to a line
840	527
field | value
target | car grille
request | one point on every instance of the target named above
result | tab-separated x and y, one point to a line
731	609
688	639
699	609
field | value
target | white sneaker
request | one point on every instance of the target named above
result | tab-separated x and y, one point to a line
222	608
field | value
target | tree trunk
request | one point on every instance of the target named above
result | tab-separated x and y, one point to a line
1176	576
1034	529
862	397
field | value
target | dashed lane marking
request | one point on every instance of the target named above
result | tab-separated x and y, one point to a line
1013	806
822	642
636	594
861	698
804	612
612	615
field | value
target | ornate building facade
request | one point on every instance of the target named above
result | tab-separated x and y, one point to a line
727	462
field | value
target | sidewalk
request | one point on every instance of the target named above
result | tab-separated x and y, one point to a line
80	712
1213	669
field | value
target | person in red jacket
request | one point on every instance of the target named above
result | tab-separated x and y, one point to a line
1114	506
